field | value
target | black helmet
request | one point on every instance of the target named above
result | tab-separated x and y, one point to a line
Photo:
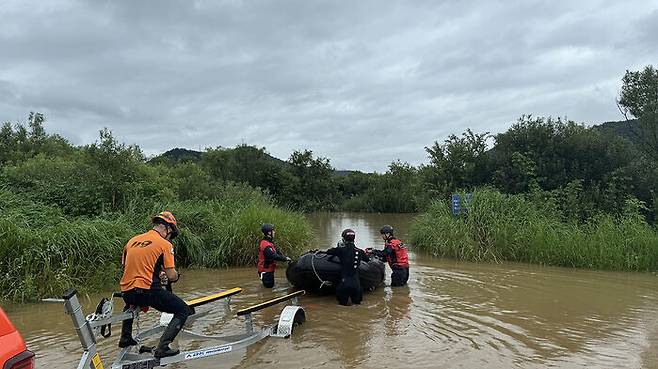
386	229
348	235
267	228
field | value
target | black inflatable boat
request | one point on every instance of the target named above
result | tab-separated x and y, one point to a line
321	272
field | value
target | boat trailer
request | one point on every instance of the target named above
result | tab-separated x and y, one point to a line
99	323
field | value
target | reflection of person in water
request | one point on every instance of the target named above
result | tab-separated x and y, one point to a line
349	286
354	344
397	306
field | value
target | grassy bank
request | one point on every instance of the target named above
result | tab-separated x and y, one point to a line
43	252
531	229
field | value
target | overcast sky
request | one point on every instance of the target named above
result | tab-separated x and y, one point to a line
363	83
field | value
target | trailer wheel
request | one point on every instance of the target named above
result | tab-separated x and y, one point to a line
300	318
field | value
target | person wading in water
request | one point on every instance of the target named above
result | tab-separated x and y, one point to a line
268	256
147	259
396	256
349	286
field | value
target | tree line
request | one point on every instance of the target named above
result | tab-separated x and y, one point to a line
587	170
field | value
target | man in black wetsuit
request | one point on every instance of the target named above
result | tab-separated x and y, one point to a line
350	257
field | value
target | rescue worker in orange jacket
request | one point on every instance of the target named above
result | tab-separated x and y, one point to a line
268	255
148	260
396	256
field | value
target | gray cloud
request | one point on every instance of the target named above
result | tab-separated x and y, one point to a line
362	83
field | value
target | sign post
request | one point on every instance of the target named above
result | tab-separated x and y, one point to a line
456	204
468	199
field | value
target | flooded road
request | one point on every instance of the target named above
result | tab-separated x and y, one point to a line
451	315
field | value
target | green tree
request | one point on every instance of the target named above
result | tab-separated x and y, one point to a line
354	183
639	98
118	167
245	164
192	181
7	142
553	153
586	170
457	163
397	191
310	184
520	176
37	132
18	143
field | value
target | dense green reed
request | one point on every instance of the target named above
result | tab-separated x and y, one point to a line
529	228
43	252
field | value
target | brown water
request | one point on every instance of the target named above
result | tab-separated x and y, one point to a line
452	315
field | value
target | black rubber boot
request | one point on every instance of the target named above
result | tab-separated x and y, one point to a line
168	336
126	339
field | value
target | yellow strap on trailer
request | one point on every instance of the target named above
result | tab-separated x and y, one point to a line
269	303
214	297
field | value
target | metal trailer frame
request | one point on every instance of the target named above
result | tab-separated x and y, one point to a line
88	327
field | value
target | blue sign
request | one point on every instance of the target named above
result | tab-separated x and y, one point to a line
456	204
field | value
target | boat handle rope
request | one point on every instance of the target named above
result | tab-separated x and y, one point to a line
328	283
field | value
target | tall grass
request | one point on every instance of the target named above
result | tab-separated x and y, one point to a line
519	228
43	252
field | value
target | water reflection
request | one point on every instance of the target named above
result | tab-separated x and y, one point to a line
328	227
397	304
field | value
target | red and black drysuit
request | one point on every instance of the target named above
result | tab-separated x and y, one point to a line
349	286
398	259
267	258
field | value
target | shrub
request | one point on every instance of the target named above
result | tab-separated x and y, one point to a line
521	228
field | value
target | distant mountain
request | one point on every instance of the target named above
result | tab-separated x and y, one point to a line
181	155
177	155
620	128
345	173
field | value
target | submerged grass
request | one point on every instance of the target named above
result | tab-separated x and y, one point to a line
518	228
43	252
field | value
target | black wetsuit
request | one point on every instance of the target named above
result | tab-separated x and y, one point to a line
350	285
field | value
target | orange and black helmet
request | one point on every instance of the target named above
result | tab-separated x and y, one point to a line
168	218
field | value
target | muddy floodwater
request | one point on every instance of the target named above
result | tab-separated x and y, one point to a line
451	315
